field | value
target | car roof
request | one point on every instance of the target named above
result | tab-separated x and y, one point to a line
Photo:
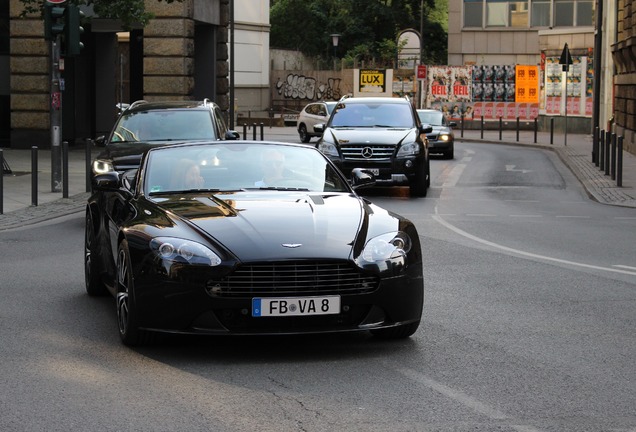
375	99
164	105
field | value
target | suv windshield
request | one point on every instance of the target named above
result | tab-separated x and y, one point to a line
432	118
372	115
164	125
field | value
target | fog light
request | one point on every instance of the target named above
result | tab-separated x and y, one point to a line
408	163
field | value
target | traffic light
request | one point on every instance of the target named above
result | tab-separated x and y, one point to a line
53	21
73	30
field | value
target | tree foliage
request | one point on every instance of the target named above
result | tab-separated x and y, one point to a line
129	12
368	29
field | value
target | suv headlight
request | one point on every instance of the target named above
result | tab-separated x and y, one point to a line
386	251
409	149
444	137
102	167
328	149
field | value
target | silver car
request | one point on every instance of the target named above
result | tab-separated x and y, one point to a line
313	114
441	139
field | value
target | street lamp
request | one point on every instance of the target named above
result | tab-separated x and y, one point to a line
334	40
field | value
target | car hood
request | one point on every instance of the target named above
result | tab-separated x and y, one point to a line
370	135
127	155
280	225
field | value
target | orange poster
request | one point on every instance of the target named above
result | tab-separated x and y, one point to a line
527	82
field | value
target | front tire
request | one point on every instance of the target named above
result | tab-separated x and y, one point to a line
302	133
420	183
92	278
399	332
127	319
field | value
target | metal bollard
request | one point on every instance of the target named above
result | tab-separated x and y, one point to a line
608	141
462	125
619	164
595	146
254	132
601	150
613	166
536	129
552	130
262	133
517	129
1	182
482	127
34	176
244	131
88	159
500	127
64	169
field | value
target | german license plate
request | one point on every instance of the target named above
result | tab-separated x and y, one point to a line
295	306
374	171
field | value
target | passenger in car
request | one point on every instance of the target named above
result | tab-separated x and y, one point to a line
187	175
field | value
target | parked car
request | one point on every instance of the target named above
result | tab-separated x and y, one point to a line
383	135
441	139
149	124
270	238
313	114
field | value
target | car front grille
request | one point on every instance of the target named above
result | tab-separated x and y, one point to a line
367	152
432	136
293	278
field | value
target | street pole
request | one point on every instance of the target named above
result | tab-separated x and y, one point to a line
56	116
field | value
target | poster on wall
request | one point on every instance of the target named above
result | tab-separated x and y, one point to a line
568	92
449	84
527	84
372	81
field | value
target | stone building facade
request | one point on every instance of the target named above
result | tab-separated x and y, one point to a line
181	54
624	55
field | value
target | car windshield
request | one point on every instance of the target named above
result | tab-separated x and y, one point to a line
236	166
433	118
392	115
164	125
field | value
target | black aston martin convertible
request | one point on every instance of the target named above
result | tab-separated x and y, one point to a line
249	238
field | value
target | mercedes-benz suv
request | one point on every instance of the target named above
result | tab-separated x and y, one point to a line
383	135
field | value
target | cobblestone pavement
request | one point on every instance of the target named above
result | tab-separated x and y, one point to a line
576	155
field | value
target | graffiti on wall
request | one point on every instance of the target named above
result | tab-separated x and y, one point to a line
302	87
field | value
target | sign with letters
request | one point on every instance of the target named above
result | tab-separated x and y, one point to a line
372	81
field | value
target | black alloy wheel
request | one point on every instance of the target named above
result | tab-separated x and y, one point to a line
94	285
129	331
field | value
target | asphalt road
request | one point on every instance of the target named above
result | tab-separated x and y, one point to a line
528	325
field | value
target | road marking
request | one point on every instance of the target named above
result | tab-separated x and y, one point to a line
624	267
481	214
462	398
453	228
454	175
573	217
526	216
512	168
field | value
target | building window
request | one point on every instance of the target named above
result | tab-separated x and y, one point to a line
541	13
545	13
473	13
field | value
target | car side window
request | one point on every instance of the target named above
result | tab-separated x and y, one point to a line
220	124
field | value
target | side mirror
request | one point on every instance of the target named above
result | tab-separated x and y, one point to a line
106	182
100	141
361	178
319	128
232	135
424	129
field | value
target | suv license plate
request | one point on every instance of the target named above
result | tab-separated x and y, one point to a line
374	171
295	306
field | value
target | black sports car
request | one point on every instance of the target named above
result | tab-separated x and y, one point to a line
243	237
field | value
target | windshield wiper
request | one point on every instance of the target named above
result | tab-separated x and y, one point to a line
193	191
293	189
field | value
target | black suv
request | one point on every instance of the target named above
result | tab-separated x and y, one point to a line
382	135
148	124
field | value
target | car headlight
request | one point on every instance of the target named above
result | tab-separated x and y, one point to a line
409	149
184	251
444	137
386	251
102	167
328	149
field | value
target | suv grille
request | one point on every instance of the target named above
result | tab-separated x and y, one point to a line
287	278
368	152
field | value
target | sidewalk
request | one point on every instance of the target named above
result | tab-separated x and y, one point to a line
17	200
